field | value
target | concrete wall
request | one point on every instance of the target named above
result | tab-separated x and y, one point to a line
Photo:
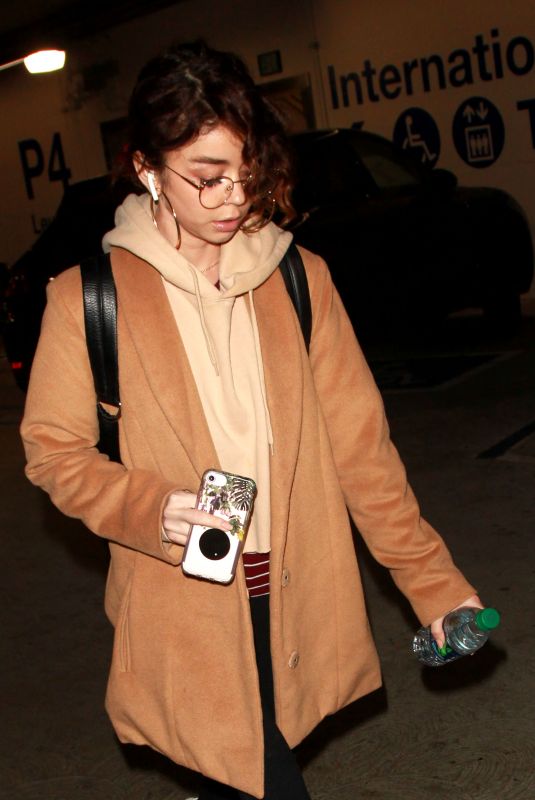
367	62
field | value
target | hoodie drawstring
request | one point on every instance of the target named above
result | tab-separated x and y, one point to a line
208	339
260	368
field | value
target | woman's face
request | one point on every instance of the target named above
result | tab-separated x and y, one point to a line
212	155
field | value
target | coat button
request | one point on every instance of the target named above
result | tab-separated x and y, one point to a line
293	661
285	577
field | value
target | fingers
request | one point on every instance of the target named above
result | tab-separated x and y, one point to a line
170	537
193	516
180	514
437	631
182	499
437	628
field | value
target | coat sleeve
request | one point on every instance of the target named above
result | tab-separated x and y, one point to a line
371	474
60	432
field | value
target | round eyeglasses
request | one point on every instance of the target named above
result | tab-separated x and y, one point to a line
214	192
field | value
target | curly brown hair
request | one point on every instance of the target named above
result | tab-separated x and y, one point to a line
192	88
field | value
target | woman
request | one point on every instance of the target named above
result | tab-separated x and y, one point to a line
214	373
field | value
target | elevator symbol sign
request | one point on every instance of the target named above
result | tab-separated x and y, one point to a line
416	132
478	132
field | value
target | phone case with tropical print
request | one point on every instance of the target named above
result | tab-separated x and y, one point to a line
210	553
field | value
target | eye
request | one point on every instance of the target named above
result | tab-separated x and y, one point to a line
210	183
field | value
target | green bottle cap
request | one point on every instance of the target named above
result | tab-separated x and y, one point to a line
487	619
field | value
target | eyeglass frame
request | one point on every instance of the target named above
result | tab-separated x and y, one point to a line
205	181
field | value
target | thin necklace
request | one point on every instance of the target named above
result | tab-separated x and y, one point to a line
207	269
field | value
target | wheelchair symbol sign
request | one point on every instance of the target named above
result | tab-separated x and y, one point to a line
416	132
478	132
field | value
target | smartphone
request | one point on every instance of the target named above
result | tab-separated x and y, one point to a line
211	553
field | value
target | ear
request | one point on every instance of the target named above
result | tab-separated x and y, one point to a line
146	176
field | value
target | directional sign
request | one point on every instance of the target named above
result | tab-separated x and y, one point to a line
478	132
416	132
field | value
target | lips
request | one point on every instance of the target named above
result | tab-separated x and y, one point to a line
227	225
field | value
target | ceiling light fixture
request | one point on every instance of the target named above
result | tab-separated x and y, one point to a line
42	61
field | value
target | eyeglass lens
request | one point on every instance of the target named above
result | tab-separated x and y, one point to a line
216	192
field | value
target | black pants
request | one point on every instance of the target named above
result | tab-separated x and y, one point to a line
283	779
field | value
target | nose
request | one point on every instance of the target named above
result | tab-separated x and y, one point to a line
237	195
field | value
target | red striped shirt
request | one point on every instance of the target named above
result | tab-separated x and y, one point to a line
256	573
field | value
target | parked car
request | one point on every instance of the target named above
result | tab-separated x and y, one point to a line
84	215
405	244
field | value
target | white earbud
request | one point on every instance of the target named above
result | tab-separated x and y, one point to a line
152	187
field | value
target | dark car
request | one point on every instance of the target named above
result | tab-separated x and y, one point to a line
85	214
404	243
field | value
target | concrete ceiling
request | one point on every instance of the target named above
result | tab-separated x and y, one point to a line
28	25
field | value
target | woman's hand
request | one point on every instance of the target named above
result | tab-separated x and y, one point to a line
436	627
180	513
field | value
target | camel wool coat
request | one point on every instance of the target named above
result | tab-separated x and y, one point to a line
183	677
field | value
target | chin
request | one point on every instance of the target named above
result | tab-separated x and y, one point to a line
223	238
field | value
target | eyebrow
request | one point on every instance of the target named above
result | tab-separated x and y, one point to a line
208	160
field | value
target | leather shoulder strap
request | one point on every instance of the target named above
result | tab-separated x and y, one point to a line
293	272
100	316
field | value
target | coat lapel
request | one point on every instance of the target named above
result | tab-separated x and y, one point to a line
149	322
282	353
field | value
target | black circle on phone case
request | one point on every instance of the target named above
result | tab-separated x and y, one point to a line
214	544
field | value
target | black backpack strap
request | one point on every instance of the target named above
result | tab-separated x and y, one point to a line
100	315
293	272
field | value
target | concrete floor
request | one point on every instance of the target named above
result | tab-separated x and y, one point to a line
465	731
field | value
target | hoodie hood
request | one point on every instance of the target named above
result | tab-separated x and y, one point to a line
247	260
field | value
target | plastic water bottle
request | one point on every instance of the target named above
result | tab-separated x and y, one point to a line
466	630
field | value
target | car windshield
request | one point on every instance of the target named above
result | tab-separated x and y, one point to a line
386	168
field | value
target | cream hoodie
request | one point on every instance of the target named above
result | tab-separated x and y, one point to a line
220	335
